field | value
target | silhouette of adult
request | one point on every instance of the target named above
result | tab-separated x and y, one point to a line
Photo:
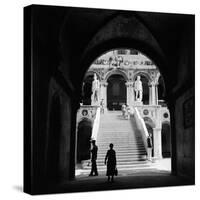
93	159
110	160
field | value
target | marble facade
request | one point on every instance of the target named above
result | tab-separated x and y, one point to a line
129	67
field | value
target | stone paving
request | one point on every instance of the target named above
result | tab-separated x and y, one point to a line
163	165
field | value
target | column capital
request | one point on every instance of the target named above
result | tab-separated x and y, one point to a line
152	83
157	129
104	83
129	83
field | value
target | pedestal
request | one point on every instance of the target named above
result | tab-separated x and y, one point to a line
138	103
157	143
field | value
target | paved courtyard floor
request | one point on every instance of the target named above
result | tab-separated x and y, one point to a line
156	174
163	165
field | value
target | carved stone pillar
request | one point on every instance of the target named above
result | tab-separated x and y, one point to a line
150	94
103	92
130	93
156	93
157	143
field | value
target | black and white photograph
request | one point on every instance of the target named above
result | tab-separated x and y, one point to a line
107	99
99	99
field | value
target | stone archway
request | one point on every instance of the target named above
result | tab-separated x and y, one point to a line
84	133
87	90
100	33
116	72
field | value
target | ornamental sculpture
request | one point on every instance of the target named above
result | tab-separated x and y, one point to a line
95	91
138	89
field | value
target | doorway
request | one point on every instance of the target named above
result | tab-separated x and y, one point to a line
116	92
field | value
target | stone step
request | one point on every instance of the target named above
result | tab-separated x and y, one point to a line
119	140
102	154
129	149
133	162
127	141
116	143
139	165
116	146
119	153
123	138
124	157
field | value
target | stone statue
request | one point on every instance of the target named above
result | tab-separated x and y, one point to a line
138	89
95	91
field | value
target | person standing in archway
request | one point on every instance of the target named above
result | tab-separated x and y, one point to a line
110	161
93	159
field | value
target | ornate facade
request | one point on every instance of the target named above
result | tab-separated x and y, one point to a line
117	72
127	66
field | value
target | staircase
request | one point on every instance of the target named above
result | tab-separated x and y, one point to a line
128	144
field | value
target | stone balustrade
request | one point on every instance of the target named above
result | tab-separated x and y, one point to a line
86	112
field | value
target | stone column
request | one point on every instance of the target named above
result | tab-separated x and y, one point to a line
157	143
156	93
130	93
153	93
103	92
150	94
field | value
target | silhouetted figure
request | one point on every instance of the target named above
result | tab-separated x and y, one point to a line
93	159
110	160
149	148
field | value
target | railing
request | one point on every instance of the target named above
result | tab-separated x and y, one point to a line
95	128
141	126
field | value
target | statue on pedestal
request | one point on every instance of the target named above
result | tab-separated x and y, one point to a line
95	91
138	89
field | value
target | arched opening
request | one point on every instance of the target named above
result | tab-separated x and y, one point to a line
87	90
117	72
66	57
116	92
166	140
83	140
161	91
